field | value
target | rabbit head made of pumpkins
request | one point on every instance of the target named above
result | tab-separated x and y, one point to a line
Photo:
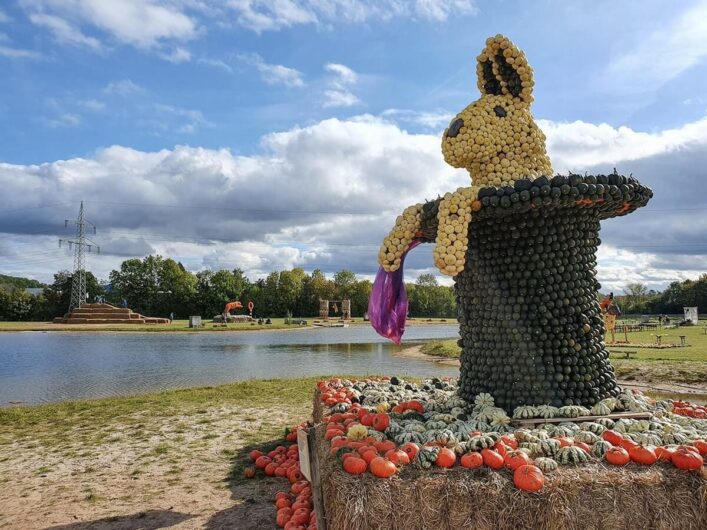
495	138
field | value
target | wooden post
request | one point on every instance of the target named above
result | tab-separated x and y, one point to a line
309	464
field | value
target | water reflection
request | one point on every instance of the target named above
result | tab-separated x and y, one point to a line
42	367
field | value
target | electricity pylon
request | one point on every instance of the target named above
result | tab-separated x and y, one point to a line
81	244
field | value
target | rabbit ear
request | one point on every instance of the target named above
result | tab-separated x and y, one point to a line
502	69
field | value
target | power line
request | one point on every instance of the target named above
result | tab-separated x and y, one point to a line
36	207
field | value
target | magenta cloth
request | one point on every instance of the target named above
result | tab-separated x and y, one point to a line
388	305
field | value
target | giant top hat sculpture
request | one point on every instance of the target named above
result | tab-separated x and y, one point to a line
521	245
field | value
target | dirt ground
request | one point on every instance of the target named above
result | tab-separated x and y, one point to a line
174	476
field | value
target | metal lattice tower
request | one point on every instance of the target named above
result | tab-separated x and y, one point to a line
81	245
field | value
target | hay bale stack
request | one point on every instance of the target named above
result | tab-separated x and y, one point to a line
587	497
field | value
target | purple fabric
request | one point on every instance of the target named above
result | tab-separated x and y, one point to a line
388	305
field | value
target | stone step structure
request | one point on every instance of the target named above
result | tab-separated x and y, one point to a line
106	314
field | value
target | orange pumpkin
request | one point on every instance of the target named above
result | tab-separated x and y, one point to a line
628	444
283	503
369	455
255	454
415	405
283	516
446	458
411	449
492	459
584	447
617	456
643	455
382	467
384	446
564	441
249	472
528	478
381	421
355	465
514	459
664	453
701	446
686	459
398	457
262	461
472	460
510	441
613	437
282	495
367	419
300	516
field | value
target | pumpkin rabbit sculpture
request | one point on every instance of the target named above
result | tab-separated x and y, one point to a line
521	246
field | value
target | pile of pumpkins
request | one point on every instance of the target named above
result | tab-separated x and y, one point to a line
294	507
380	425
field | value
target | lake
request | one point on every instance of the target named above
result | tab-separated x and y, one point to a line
41	367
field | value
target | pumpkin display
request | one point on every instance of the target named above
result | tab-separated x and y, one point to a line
382	467
684	458
617	456
492	459
545	464
445	457
528	478
572	455
249	472
643	455
472	460
521	245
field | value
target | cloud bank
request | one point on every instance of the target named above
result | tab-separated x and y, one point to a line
323	196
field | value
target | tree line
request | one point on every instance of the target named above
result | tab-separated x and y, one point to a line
637	299
158	286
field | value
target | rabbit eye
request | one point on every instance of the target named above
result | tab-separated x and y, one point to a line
455	127
500	111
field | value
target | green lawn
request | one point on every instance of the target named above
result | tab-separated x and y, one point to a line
50	424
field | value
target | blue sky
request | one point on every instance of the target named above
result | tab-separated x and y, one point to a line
200	105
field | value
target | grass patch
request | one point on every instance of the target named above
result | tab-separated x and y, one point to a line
441	348
140	417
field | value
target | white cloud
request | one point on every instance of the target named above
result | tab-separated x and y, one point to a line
324	195
577	145
345	74
273	74
17	53
124	87
265	15
66	119
664	54
141	23
178	55
65	32
216	63
339	94
340	98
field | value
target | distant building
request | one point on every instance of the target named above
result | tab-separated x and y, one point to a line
35	291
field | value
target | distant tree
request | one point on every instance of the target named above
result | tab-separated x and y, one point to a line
57	296
344	281
17	281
